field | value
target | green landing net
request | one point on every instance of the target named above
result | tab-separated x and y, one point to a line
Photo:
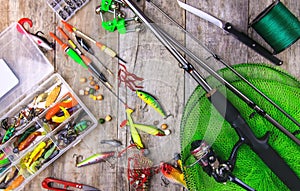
200	121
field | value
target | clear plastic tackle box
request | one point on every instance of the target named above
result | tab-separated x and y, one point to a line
65	9
41	117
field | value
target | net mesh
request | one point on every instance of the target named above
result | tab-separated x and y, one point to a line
200	121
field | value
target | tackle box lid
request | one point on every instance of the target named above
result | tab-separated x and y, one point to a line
23	66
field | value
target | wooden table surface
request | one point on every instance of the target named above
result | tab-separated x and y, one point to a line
146	58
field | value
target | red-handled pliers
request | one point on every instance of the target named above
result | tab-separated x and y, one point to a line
48	184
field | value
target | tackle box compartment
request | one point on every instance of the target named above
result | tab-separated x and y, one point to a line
29	79
65	9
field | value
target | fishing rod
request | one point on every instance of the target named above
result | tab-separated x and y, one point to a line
250	103
218	58
260	146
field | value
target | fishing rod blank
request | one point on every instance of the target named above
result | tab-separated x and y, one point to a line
218	58
250	103
228	111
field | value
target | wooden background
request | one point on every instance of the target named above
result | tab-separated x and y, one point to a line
146	58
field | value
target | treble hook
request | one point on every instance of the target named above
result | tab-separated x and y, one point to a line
165	182
38	39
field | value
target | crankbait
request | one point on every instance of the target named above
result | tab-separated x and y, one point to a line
113	142
96	158
151	101
172	174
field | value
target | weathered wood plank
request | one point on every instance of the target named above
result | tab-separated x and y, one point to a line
146	58
162	78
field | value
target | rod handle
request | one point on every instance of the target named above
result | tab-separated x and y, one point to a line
252	44
260	146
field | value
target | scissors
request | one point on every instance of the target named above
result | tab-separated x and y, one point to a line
48	184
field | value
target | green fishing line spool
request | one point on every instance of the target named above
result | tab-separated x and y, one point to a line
201	121
277	26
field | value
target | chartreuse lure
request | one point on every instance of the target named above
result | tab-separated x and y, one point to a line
151	101
152	130
136	138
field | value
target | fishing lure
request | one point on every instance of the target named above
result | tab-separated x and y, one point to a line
172	174
38	39
52	96
15	183
7	177
151	101
43	156
96	158
136	138
81	126
8	134
40	98
25	143
2	155
128	78
61	119
68	102
152	130
25	134
34	155
47	154
4	162
113	142
55	152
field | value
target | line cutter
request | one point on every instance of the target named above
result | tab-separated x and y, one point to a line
48	184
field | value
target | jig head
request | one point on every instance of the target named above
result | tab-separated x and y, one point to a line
38	39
